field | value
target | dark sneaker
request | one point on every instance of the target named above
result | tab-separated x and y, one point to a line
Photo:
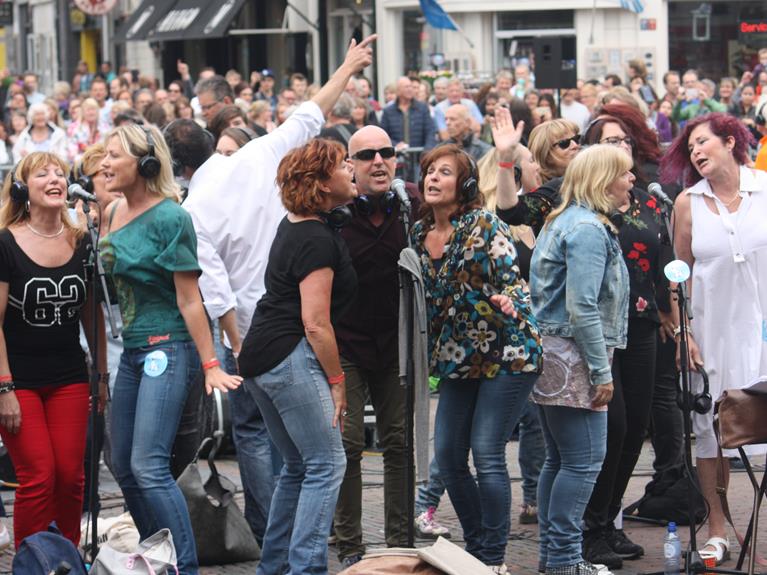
528	514
623	546
582	568
350	560
596	549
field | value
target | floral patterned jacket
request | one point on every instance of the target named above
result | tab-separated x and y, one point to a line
469	338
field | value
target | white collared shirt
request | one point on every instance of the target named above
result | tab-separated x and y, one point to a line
236	207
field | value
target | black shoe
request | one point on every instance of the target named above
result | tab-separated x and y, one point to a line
622	545
597	550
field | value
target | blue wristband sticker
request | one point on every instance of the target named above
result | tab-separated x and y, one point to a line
155	363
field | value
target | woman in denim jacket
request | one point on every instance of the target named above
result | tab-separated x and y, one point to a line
487	361
579	284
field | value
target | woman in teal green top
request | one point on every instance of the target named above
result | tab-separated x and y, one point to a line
150	252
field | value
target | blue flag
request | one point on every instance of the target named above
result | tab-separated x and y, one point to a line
436	16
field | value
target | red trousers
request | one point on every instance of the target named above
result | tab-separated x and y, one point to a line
47	454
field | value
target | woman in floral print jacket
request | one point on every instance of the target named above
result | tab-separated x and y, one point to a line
487	361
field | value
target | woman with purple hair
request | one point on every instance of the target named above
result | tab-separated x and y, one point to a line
719	231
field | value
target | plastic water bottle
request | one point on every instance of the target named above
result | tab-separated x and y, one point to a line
672	551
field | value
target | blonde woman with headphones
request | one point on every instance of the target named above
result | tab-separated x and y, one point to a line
150	252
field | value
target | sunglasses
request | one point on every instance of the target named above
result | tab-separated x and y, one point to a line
369	153
564	144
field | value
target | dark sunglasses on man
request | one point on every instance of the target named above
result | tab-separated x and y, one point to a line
369	153
564	144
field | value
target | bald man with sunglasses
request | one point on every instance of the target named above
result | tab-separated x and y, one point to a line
368	341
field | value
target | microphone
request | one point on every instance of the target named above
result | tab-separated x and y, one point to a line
657	192
76	192
398	186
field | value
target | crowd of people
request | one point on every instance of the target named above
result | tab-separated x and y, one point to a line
268	213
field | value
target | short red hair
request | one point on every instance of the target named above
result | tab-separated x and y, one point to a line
301	172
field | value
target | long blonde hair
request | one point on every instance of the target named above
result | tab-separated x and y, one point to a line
542	140
488	185
589	176
134	139
13	212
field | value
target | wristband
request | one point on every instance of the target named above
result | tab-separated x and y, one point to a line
336	379
210	364
506	165
6	378
7	387
104	377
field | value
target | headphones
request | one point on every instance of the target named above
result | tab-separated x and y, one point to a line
470	187
337	218
148	164
700	402
19	190
760	119
368	205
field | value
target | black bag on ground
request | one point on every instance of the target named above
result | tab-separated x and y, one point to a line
221	532
666	498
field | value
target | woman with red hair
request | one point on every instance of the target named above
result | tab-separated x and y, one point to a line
720	233
291	357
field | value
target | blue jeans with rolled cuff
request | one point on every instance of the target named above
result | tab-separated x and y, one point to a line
295	401
146	410
478	416
576	442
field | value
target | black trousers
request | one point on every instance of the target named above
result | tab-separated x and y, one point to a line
666	426
628	416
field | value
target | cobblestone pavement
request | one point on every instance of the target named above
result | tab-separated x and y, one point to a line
522	548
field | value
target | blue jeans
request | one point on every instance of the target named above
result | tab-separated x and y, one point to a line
259	461
576	442
146	411
295	401
429	494
532	452
478	415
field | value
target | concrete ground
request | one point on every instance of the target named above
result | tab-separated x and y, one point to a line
522	548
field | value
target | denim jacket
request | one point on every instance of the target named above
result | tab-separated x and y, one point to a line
580	288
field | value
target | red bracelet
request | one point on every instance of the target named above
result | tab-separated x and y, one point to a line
336	379
506	165
211	363
6	378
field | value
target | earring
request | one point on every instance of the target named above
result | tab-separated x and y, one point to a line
26	205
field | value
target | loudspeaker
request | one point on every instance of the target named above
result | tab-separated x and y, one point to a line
555	62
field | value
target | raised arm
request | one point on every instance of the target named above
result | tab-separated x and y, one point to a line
506	138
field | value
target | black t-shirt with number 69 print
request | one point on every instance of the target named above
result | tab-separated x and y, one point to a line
42	316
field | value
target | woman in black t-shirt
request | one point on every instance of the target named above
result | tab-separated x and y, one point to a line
291	357
43	374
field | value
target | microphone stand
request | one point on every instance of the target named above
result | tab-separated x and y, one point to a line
95	272
693	562
407	285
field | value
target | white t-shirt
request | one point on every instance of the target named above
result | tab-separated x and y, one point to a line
576	112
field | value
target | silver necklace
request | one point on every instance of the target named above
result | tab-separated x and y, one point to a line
42	235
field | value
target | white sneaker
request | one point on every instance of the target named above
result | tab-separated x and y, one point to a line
426	527
5	537
499	569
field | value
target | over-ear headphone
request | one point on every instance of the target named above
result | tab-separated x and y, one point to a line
19	190
337	218
367	205
148	165
700	402
760	119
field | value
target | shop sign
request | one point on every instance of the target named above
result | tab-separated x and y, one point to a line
6	13
95	7
751	31
648	24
